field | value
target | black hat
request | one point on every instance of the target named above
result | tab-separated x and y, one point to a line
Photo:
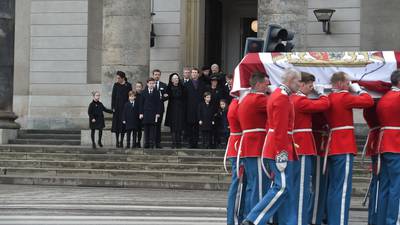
214	77
205	67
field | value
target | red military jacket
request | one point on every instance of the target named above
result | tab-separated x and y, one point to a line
320	131
388	110
235	129
339	115
372	120
252	115
281	120
302	132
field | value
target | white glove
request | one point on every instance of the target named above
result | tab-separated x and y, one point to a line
271	88
319	89
354	87
281	161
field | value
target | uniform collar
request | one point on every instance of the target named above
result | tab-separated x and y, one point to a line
256	92
395	88
339	91
286	89
299	93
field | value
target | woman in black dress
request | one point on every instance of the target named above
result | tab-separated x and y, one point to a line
118	99
176	109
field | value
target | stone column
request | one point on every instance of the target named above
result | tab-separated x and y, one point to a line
193	26
380	25
290	14
126	41
7	13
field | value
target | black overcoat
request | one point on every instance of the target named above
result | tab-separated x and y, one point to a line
205	113
95	111
175	117
131	115
193	97
118	99
150	105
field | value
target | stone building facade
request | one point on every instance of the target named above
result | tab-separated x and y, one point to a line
64	49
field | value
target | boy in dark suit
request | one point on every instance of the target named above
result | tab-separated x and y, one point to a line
205	115
130	118
150	110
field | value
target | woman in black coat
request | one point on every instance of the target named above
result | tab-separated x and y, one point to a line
175	117
96	117
118	99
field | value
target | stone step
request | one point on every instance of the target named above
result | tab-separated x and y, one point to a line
113	165
45	142
117	174
358	190
110	158
49	136
108	182
76	132
88	150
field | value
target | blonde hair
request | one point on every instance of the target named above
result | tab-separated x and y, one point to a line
289	73
94	93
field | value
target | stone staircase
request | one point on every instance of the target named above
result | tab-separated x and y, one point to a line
47	137
55	158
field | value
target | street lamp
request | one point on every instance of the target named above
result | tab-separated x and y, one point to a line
324	16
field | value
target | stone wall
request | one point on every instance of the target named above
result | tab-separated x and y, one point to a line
166	54
380	25
345	26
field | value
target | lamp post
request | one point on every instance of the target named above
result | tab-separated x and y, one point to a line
324	16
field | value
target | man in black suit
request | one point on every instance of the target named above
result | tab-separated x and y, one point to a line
194	90
227	89
150	111
162	88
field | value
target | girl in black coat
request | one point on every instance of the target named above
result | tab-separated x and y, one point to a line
205	115
175	117
222	126
118	99
96	117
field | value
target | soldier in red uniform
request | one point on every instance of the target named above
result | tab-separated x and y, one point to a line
235	193
342	144
252	117
388	110
280	153
370	150
320	180
304	107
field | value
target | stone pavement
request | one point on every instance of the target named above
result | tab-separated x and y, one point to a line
34	205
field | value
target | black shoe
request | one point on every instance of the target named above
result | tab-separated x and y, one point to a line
100	144
121	145
246	222
128	146
138	145
93	145
117	145
158	146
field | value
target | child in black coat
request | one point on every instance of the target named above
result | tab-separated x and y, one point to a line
139	89
130	117
205	115
222	129
96	117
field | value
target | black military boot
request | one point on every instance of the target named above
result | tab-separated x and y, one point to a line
246	222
